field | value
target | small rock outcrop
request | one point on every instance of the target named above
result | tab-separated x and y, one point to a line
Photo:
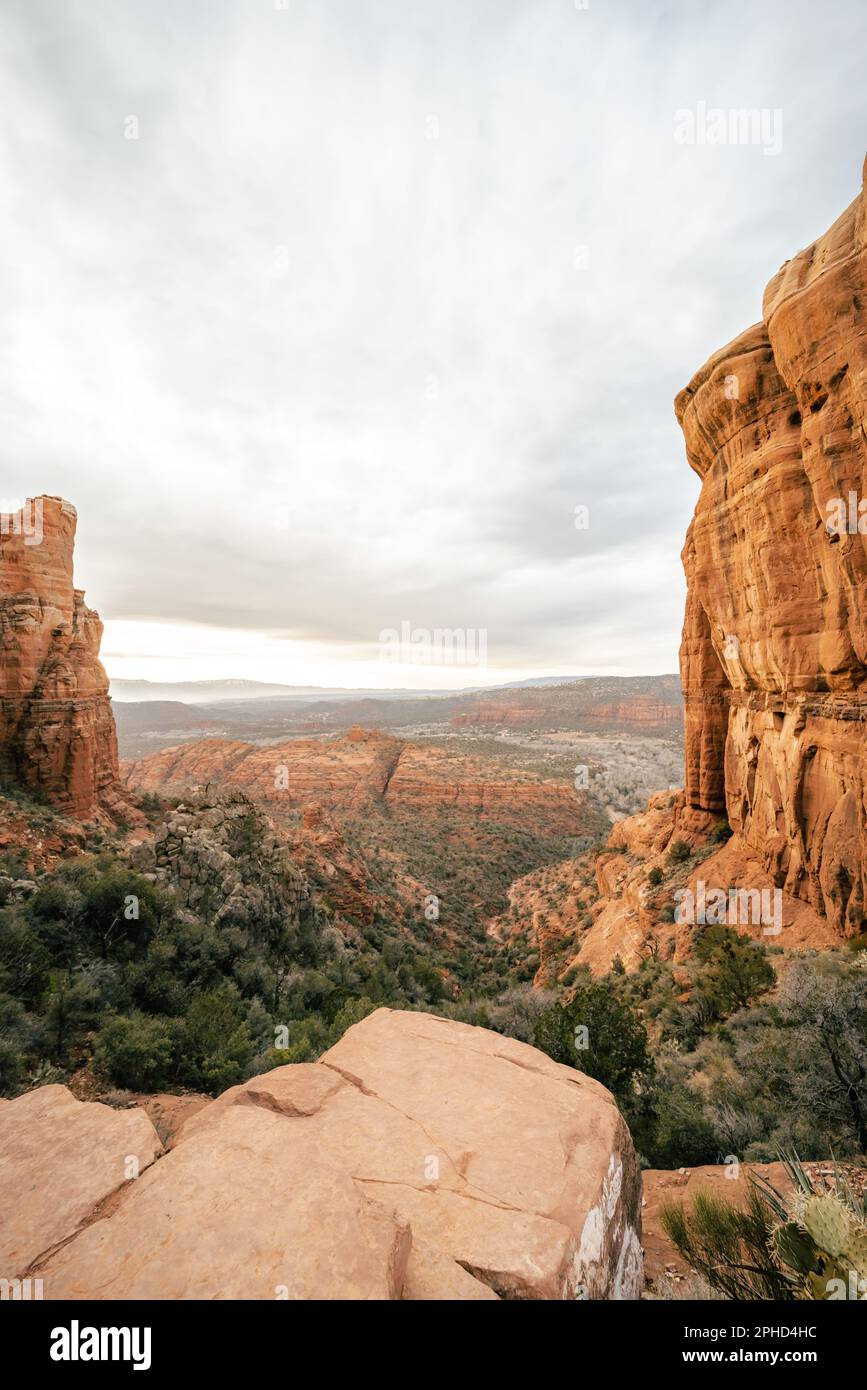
419	1158
57	734
774	652
633	918
219	854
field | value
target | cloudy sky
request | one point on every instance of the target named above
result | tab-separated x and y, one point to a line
327	314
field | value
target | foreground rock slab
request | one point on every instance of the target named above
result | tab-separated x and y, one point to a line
523	1170
420	1158
60	1158
236	1212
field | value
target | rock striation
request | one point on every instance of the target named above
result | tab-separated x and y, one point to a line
640	712
419	1158
774	651
57	734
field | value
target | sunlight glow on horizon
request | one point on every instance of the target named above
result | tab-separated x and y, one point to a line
185	652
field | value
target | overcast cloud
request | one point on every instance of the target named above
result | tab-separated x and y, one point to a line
320	351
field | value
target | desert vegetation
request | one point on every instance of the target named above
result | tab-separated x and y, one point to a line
724	1055
740	1050
807	1244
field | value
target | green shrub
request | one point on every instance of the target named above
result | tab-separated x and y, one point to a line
72	1007
246	835
216	1049
676	1130
136	1052
734	970
12	1040
613	1048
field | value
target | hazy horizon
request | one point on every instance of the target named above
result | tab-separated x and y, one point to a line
121	690
327	317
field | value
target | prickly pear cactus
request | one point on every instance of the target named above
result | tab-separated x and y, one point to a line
796	1248
855	1252
828	1222
823	1243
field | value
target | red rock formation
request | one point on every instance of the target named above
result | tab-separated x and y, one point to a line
632	712
637	711
23	834
363	769
57	732
774	652
505	715
632	917
320	850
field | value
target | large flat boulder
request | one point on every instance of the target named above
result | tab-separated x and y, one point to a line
523	1170
419	1158
60	1159
238	1211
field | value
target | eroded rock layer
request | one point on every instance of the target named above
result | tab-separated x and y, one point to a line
360	770
774	651
57	733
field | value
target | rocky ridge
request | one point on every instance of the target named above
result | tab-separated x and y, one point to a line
358	770
219	852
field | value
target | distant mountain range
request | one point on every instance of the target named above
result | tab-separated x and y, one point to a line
647	704
208	692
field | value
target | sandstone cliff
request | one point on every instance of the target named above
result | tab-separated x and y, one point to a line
774	648
57	732
419	1158
774	653
641	712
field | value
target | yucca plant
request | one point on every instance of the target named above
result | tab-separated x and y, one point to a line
809	1244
